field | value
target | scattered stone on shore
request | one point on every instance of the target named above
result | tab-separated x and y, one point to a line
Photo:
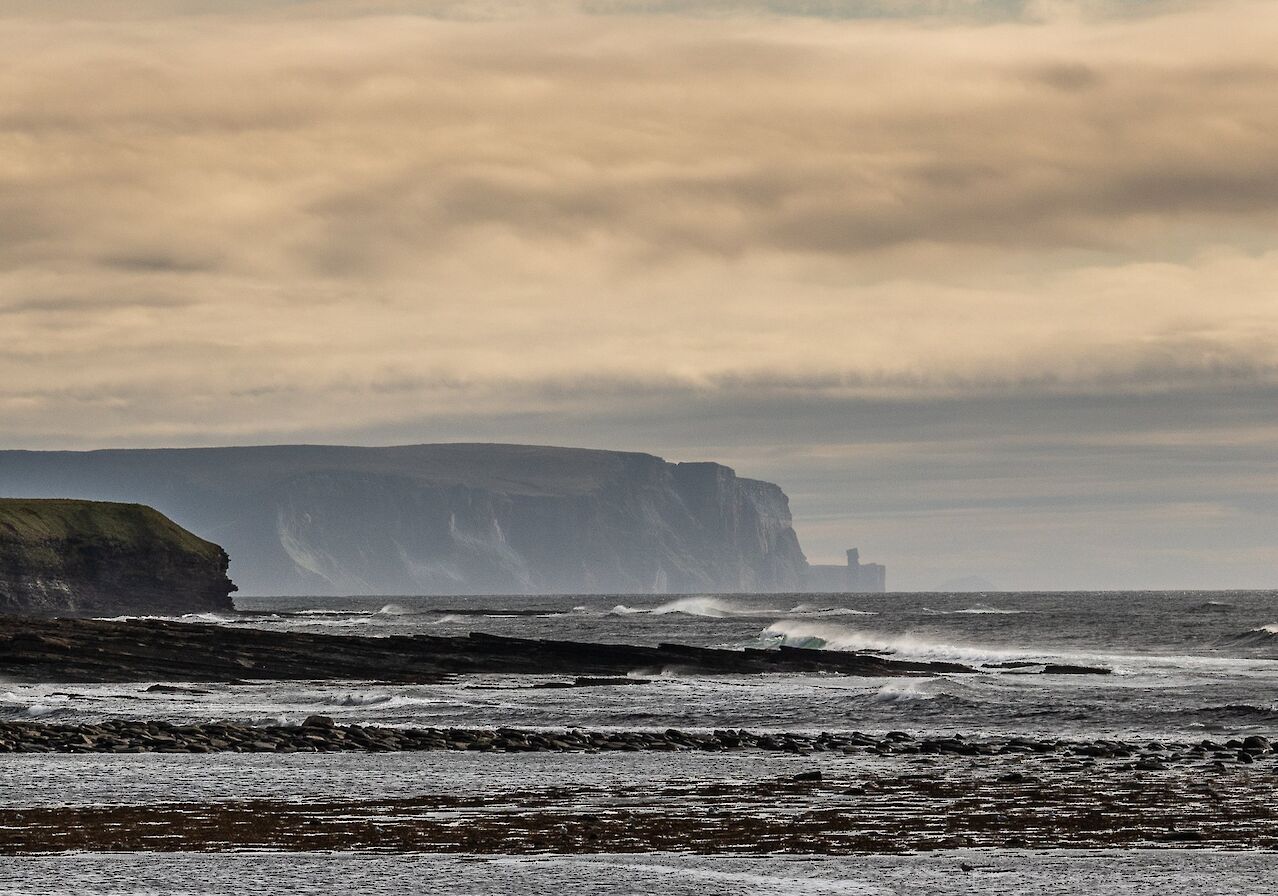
320	733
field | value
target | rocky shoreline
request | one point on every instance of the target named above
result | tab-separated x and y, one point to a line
96	650
320	734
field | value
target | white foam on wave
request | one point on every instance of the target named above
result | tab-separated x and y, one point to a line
1265	636
364	699
37	708
978	610
394	610
832	636
908	690
700	605
384	701
813	610
40	710
346	622
216	618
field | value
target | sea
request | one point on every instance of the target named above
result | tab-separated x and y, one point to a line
1184	666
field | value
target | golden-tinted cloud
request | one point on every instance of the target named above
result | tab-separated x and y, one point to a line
270	221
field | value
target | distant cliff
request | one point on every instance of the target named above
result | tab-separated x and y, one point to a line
448	519
61	557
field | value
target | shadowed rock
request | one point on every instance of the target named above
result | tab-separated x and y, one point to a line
148	649
61	557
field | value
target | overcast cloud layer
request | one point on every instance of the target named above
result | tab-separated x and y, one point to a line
990	288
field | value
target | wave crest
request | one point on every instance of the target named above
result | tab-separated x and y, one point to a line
700	605
908	690
1264	636
813	610
832	636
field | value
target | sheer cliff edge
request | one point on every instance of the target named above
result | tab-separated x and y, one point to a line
61	557
448	519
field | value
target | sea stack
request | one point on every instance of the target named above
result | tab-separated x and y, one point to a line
92	558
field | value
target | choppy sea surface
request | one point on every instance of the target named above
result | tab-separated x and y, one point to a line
1185	666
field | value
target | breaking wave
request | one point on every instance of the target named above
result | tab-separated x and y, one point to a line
14	706
213	618
448	618
921	697
384	701
363	700
722	607
908	690
978	610
811	610
1239	711
831	636
712	607
1264	636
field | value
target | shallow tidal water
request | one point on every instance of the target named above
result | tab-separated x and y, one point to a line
1185	666
1051	873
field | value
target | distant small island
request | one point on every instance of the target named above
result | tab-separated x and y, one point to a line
69	558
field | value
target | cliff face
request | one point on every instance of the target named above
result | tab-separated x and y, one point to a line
62	557
449	519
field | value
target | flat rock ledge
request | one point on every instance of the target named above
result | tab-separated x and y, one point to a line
320	734
96	650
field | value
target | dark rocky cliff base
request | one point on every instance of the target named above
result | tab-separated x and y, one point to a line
140	650
61	557
449	519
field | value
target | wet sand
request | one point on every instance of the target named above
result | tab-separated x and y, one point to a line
1036	805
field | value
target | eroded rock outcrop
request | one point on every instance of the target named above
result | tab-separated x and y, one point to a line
84	650
449	519
63	557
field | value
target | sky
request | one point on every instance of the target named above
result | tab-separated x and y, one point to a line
990	288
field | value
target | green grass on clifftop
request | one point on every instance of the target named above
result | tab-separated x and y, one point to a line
40	521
